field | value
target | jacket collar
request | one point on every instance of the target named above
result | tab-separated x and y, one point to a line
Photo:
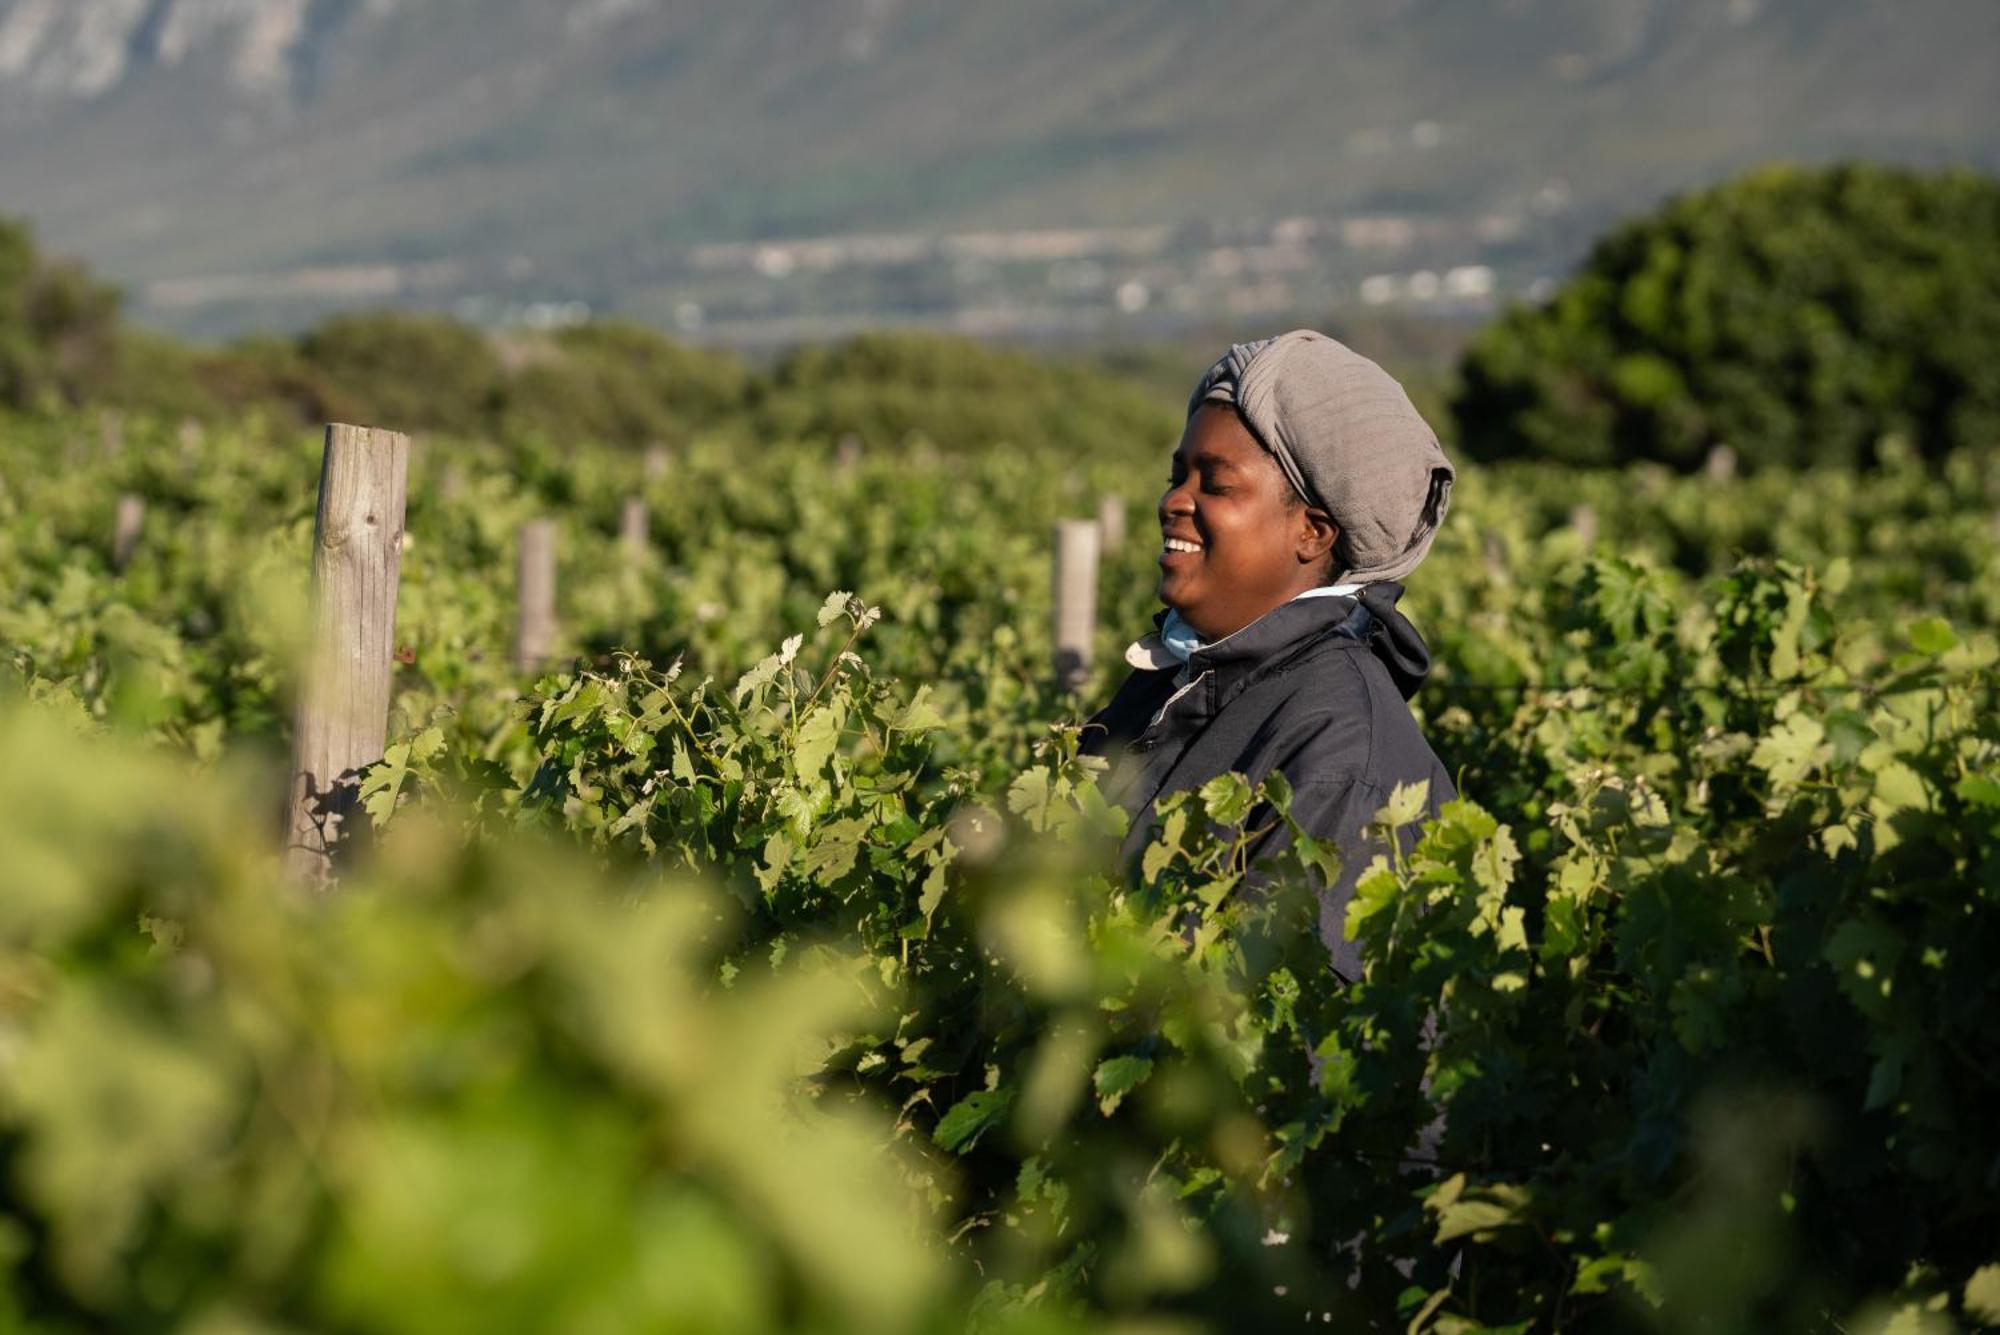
1228	664
1232	660
1157	651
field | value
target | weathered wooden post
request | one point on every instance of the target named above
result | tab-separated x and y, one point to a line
125	530
848	453
634	530
1076	600
343	716
657	462
1720	464
535	629
1111	521
1583	519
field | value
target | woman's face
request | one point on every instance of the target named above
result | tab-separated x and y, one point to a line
1236	543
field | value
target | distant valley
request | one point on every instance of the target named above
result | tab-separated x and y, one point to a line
781	170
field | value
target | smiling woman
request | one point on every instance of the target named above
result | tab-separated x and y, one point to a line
1304	488
1238	539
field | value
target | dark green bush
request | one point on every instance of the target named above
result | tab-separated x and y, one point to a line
1795	316
58	327
412	372
957	394
621	384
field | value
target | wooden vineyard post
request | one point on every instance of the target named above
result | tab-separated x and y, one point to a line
657	461
535	629
1076	600
343	715
1111	522
1720	465
634	530
125	530
1583	519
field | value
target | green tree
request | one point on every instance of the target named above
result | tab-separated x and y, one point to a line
58	326
413	372
1797	316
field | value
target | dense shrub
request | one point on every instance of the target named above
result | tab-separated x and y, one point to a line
58	327
1795	316
412	372
957	394
621	384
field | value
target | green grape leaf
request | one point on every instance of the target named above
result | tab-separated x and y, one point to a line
1407	803
971	1117
382	786
815	742
1227	798
1933	637
834	608
920	715
1480	1212
1118	1076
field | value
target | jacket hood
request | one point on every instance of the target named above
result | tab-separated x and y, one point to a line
1395	640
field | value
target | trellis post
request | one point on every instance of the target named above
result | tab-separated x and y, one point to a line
1111	521
1076	550
125	530
634	530
535	590
1583	519
343	712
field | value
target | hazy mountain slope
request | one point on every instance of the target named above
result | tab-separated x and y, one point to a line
573	147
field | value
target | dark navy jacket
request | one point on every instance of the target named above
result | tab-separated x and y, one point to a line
1315	689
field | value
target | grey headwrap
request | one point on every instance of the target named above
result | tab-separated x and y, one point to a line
1349	439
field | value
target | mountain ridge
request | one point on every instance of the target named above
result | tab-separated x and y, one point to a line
514	154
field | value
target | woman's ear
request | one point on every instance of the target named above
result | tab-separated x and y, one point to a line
1316	535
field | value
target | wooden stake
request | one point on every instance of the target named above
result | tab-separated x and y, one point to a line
1076	600
343	715
634	530
1584	520
657	462
126	529
1111	522
535	630
1721	464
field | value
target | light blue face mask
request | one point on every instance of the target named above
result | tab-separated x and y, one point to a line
1179	637
1182	640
